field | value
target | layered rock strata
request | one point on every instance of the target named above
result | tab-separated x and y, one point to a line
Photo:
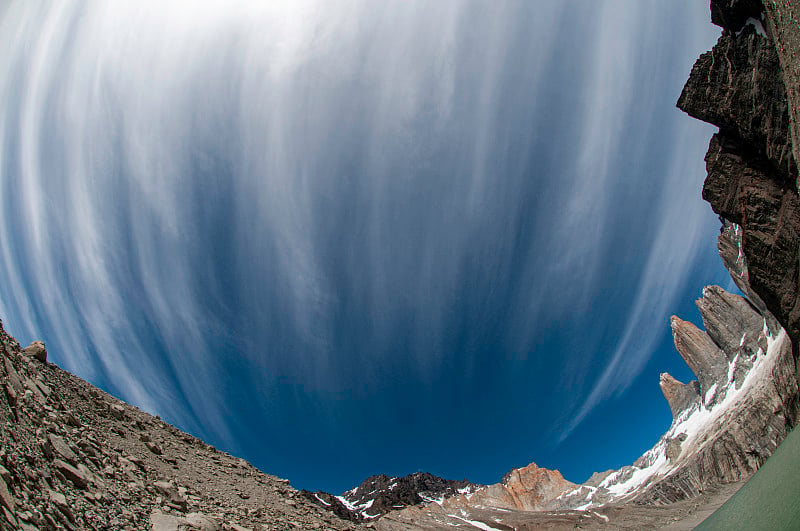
741	87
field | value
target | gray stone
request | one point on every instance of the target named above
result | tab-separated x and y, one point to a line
61	448
80	477
57	498
171	494
6	498
13	376
164	522
153	447
205	523
117	411
700	353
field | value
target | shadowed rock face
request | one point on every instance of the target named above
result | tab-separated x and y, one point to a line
752	174
737	86
733	14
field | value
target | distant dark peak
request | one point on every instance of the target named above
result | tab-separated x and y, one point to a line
733	14
380	494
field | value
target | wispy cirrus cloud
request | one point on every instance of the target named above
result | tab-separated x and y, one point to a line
252	218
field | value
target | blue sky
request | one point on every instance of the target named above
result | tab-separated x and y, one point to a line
348	238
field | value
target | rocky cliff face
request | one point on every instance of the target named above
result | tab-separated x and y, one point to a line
740	86
73	457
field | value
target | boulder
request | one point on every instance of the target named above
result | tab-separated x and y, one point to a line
36	350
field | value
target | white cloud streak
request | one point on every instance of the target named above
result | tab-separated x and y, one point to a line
356	154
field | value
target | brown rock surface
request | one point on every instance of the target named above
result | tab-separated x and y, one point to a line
782	22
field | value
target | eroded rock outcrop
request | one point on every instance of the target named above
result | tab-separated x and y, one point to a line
529	488
36	350
731	322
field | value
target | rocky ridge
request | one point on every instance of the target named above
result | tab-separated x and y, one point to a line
378	495
73	457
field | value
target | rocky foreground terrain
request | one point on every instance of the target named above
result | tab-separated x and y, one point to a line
74	457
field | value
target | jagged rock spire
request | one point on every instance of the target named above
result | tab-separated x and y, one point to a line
680	396
700	353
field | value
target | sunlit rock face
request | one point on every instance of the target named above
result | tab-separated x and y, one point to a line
727	319
529	488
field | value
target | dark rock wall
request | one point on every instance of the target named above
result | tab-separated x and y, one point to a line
752	172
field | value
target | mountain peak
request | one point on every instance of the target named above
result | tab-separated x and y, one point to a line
680	396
